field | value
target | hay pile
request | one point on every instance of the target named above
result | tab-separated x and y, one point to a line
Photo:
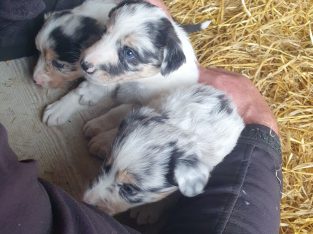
271	42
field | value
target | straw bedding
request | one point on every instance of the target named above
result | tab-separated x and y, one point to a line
270	42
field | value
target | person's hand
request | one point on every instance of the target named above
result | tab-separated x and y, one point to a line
250	103
160	3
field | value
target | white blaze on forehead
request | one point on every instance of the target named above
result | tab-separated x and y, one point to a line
43	37
101	52
97	9
71	24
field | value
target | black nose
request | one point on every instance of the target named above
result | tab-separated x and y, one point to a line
87	67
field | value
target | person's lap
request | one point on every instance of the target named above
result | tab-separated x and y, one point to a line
31	205
243	193
242	196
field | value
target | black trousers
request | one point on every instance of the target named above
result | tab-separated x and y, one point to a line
242	196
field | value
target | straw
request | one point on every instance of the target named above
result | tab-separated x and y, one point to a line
270	42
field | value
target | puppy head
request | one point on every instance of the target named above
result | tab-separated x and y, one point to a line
150	159
141	42
60	42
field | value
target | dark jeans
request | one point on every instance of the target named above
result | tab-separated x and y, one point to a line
242	196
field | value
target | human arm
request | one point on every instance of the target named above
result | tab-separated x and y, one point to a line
251	105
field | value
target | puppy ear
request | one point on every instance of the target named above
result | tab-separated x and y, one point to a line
173	55
191	175
121	3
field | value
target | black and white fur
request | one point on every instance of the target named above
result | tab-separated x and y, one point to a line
163	59
66	34
63	38
171	144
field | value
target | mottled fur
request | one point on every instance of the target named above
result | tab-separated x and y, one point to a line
142	54
64	36
171	144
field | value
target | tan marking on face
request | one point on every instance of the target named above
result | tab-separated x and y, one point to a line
148	71
125	177
49	54
145	71
130	40
58	80
110	24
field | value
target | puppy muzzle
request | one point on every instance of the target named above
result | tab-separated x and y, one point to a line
88	67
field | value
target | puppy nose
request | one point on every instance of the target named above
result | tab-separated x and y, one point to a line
87	67
38	81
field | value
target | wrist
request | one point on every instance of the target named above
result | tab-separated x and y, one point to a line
251	105
160	4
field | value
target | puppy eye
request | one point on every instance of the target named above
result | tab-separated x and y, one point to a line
57	64
129	189
129	53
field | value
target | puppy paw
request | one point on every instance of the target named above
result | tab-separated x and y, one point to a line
92	128
147	214
100	145
85	94
90	94
100	124
56	114
97	146
87	101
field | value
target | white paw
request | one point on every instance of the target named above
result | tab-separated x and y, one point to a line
100	144
147	214
84	92
90	94
56	114
85	100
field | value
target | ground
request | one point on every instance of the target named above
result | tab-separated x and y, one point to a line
61	152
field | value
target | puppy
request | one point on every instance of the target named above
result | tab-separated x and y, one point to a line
172	144
64	36
142	54
152	46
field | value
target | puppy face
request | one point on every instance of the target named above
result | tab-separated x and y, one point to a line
141	42
150	159
60	42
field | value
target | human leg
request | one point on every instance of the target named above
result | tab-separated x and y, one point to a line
243	193
29	205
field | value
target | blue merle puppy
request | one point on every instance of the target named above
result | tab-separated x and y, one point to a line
66	34
171	144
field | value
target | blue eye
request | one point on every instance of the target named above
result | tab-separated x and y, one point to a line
57	64
129	189
129	54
